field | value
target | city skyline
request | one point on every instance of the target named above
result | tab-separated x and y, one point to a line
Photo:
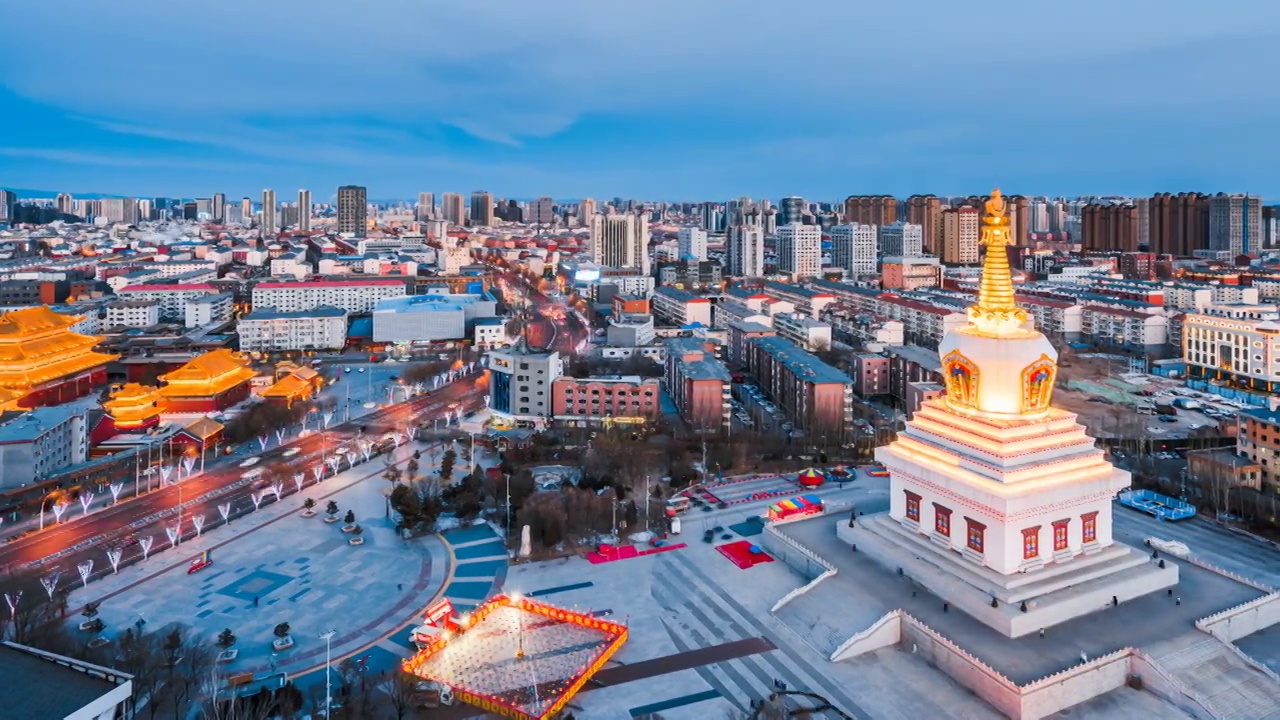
1059	104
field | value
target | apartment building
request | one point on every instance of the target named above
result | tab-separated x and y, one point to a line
799	250
208	309
698	383
172	298
738	337
1239	344
909	273
672	306
628	400
855	248
37	443
520	382
870	374
1123	328
357	297
268	330
812	335
132	314
811	394
805	300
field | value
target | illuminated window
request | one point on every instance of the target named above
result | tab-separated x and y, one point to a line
1060	534
1031	543
1089	526
974	533
913	506
942	520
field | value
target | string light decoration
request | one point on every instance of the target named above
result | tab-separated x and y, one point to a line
519	658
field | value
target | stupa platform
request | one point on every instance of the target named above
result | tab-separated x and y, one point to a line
1054	593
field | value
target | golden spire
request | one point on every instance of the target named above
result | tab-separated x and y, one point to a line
996	310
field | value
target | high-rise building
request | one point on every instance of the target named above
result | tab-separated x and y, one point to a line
621	240
792	210
541	212
8	199
926	211
453	208
120	210
960	232
854	247
745	251
735	212
1038	215
586	212
269	224
799	250
481	209
710	218
65	203
1179	223
871	209
304	210
1109	227
693	243
1235	223
426	208
204	208
219	209
899	239
1271	226
246	210
353	210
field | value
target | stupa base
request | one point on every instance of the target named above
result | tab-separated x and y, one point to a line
1024	603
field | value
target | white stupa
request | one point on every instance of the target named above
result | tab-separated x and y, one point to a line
1000	503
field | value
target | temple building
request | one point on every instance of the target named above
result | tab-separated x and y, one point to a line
999	502
208	383
133	408
297	386
45	363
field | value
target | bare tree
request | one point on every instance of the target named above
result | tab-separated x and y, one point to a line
400	691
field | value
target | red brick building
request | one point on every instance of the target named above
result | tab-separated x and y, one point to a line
630	400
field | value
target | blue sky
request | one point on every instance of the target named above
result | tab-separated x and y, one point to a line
667	99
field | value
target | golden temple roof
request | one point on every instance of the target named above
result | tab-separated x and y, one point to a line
133	400
203	428
996	310
36	347
210	374
289	386
32	321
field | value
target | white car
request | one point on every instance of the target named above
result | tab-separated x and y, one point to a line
291	452
249	462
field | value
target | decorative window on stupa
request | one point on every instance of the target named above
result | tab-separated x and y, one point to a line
913	506
961	377
1031	543
1089	526
1037	384
942	520
974	532
1060	541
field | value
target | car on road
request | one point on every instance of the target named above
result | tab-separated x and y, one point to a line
291	452
361	369
1167	419
249	462
347	370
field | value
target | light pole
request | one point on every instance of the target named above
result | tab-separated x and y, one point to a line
507	477
328	672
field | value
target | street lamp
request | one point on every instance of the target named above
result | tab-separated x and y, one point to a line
328	671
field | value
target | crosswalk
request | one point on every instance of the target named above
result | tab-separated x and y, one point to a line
702	614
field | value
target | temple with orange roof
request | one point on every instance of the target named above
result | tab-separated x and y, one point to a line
43	362
211	382
298	386
132	408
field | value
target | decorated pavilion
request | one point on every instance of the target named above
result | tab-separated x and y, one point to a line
297	386
133	408
211	382
43	362
517	658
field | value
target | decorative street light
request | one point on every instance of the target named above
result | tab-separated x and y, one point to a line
328	671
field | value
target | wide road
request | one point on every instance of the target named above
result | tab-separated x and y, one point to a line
552	325
63	547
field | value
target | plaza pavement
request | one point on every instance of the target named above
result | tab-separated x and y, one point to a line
694	597
301	570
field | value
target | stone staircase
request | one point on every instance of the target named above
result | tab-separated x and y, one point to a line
1231	688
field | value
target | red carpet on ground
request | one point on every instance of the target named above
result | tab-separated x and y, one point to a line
609	553
739	553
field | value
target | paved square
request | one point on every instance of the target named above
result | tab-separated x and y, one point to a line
257	584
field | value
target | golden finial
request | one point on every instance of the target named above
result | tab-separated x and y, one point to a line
996	311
